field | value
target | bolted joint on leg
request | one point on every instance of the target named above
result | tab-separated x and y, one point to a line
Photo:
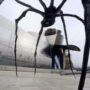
22	15
16	20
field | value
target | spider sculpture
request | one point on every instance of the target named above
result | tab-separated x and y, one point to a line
49	15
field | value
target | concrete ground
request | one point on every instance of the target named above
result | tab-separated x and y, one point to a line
41	81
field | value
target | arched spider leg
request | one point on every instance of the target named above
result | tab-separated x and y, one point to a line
52	2
60	6
29	6
16	31
40	33
71	15
66	37
43	4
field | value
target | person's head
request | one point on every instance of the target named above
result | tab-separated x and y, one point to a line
58	31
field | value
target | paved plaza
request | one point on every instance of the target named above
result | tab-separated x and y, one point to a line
41	81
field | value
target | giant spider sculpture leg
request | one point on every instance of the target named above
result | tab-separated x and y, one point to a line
17	21
43	4
15	47
86	49
16	31
30	7
66	37
71	15
63	21
52	2
60	6
40	33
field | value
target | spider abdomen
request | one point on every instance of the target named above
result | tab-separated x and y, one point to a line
48	22
49	17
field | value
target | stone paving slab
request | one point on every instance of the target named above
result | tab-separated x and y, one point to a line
29	69
41	81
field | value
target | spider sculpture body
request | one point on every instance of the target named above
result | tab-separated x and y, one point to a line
49	15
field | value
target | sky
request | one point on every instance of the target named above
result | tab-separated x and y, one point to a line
32	22
12	10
